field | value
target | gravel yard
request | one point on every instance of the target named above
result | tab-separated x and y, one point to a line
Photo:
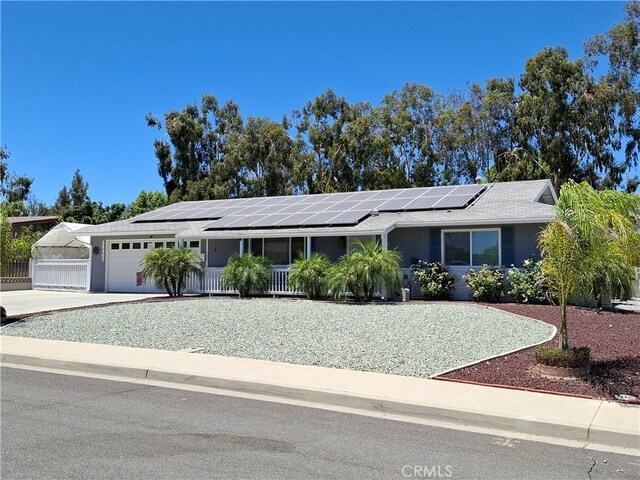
415	339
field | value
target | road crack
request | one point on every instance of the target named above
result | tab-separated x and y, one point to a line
593	461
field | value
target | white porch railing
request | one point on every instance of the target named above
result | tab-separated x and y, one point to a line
212	283
59	273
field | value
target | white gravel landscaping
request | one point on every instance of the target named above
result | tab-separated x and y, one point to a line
416	339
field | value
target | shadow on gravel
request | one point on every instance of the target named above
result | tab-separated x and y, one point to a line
613	377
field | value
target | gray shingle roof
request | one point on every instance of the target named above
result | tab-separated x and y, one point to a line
502	203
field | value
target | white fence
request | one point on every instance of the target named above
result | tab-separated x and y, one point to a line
212	283
60	273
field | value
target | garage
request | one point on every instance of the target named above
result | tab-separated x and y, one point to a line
123	269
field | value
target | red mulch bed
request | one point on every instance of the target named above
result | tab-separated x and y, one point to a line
614	339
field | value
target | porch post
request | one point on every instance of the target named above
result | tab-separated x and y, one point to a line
384	240
308	255
241	247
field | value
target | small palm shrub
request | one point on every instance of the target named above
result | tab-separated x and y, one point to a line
310	275
246	273
528	285
365	269
434	280
169	268
486	284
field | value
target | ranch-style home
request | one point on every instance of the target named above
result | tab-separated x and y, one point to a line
462	226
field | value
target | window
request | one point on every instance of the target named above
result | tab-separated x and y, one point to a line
147	245
297	248
135	245
256	246
277	250
126	246
471	247
159	244
171	244
194	244
115	246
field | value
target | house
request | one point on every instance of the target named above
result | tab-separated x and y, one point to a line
461	226
39	223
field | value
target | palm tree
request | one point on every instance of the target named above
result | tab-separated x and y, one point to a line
363	270
310	275
185	263
247	272
170	267
593	240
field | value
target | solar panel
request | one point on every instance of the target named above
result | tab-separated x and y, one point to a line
320	209
393	204
453	201
422	203
348	218
323	218
264	220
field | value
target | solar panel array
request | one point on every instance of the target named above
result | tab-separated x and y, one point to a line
313	210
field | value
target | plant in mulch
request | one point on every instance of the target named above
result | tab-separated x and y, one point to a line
572	358
309	275
169	268
247	273
366	268
593	239
486	284
434	280
528	285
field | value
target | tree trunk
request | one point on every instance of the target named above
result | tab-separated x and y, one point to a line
563	338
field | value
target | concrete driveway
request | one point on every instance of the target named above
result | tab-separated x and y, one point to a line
23	302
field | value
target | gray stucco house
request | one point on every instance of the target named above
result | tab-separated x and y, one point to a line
461	226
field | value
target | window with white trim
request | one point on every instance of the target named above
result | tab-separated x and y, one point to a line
471	248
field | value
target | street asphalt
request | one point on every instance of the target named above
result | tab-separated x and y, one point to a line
62	426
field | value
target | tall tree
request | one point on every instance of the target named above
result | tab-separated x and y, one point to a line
265	158
190	162
146	202
620	48
407	119
78	192
13	187
564	119
321	125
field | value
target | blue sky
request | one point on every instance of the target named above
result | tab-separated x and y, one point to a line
78	78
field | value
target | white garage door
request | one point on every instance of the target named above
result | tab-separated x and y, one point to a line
123	269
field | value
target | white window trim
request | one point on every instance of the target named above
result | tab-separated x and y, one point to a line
469	231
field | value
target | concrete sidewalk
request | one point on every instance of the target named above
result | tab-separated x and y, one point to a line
22	302
597	424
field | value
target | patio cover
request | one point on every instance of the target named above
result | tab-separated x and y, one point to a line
63	236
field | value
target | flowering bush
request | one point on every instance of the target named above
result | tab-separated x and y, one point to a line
529	285
486	284
434	280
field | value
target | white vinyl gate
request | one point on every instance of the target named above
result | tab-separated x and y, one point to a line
60	273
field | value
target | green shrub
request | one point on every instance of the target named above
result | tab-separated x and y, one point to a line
246	273
529	285
571	358
434	280
486	284
170	267
310	275
366	268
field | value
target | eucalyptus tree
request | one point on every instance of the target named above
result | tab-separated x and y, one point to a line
321	125
407	118
620	49
190	160
565	119
265	158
